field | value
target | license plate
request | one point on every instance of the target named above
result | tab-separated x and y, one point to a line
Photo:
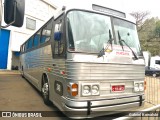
118	88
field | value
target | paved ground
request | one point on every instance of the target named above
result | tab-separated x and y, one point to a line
16	94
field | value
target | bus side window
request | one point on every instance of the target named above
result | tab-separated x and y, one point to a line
36	38
58	42
22	48
46	32
29	45
26	44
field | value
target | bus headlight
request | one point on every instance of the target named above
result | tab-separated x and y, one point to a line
95	89
86	90
138	86
141	87
89	89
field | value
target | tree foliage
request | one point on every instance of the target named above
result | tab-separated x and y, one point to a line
140	17
157	29
148	31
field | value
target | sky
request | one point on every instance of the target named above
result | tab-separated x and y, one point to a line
129	6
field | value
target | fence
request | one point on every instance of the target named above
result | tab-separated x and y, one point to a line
152	92
152	96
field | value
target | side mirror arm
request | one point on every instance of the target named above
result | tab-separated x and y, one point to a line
15	6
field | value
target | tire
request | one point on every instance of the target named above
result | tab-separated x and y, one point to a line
154	75
45	91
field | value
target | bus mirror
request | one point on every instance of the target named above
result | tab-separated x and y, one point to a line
57	36
14	12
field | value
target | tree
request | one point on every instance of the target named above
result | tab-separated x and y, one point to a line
148	31
149	36
157	29
140	17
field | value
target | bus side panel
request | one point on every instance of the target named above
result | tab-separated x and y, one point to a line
40	61
57	82
35	63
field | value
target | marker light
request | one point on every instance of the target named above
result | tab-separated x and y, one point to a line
74	90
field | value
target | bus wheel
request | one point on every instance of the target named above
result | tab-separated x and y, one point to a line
45	92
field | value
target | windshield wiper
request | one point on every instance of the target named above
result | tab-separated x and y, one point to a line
120	42
102	52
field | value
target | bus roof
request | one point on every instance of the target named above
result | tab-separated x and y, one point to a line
99	9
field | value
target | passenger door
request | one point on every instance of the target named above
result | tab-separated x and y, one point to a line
58	54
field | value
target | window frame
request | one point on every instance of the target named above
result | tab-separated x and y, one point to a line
63	37
38	38
50	21
39	45
28	43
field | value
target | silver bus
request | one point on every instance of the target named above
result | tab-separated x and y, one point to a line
86	61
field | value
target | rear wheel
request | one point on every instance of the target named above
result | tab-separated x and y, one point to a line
45	91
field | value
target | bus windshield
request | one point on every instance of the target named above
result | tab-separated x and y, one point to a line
88	32
128	33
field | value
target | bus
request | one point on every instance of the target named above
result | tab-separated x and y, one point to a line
87	61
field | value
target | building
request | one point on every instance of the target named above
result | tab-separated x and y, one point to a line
37	12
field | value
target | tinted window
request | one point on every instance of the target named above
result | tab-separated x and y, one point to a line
36	38
25	46
29	45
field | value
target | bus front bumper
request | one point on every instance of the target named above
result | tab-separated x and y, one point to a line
94	108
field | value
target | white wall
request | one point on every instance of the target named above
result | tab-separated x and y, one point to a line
38	10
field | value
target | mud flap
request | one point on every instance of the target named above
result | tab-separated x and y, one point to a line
140	100
89	107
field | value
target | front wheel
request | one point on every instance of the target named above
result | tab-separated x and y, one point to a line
45	92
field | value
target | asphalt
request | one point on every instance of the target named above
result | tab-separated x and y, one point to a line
17	94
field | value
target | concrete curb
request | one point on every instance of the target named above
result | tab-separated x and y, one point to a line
10	72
